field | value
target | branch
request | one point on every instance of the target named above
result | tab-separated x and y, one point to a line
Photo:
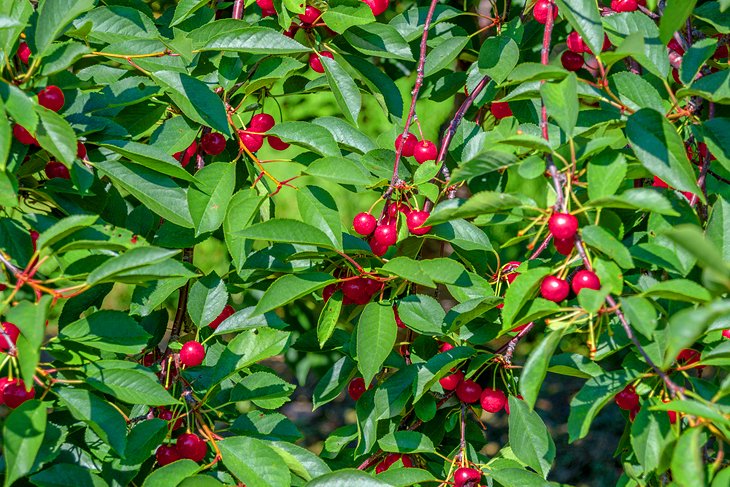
182	301
238	9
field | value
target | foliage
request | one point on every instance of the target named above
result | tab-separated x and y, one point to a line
581	199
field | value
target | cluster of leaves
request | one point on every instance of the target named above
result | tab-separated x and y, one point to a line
637	149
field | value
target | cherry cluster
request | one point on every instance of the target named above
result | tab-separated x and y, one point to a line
187	445
421	151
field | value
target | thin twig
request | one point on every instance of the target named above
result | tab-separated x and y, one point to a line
238	9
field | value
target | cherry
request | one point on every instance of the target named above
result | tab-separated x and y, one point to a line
415	221
55	169
357	291
688	356
576	43
189	445
464	475
252	142
675	76
166	415
500	109
23	136
265	5
386	235
213	143
356	388
394	208
409	146
148	360
292	30
633	413
377	6
227	312
4	381
23	52
378	248
606	44
508	273
585	279
492	400
564	246
185	156
316	63
262	122
624	5
726	333
364	223
563	225
468	391
506	403
51	97
268	12
627	399
328	291
445	347
276	143
310	15
554	289
572	61
396	316
425	150
192	354
390	459
452	381
14	393
540	11
166	454
676	46
12	333
80	150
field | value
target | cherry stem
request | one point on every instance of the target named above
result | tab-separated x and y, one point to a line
238	9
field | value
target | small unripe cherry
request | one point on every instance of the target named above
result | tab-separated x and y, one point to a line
10	332
576	43
364	223
276	143
563	225
451	381
585	279
22	135
500	109
492	400
571	61
377	6
465	474
227	312
262	122
409	146
627	399
192	354
316	63
554	289
166	454
191	446
23	52
55	169
540	11
468	391
425	150
310	15
51	97
386	235
213	143
356	388
564	246
252	142
414	221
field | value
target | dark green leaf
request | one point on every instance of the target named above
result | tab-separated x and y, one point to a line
376	333
102	418
529	437
22	438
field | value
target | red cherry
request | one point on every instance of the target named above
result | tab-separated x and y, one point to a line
80	150
252	142
500	109
316	63
563	225
452	381
276	143
55	169
425	150
192	354
292	30
265	4
468	391
624	5
506	403
675	46
540	11
23	52
508	273
268	12
356	388
445	347
554	289
166	454
185	156
213	143
721	52
564	246
627	399
464	475
14	393
386	235
4	381
23	136
189	445
261	123
633	413
409	146
364	223
688	356
575	42
394	208
167	415
492	400
148	360
377	6
10	332
310	15
51	97
396	316
357	291
227	312
414	221
378	248
585	279
328	291
571	61
606	44
659	183
726	333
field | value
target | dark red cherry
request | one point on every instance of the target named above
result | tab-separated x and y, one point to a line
23	52
316	63
468	391
624	5
571	61
192	354
575	42
627	398
185	156
189	445
506	403
51	97
328	291
227	312
564	246
265	4
452	381
80	150
166	454
213	143
55	169
23	136
585	279
563	225
377	6
378	248
10	332
252	142
492	400
445	347
463	475
356	388
425	150
688	356
554	289
500	109
409	146
14	393
276	143
310	15
540	11
414	221
364	223
263	122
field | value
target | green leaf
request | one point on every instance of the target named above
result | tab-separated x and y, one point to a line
130	385
606	174
535	369
249	347
347	476
265	389
31	319
22	438
208	197
242	210
194	98
379	40
252	40
640	199
328	318
309	135
695	57
714	14
483	163
171	474
376	333
149	156
343	15
651	435
674	17
339	170
289	231
53	17
63	228
184	9
653	57
61	474
679	290
714	131
406	442
498	56
62	55
114	331
132	259
102	418
56	135
529	437
517	477
422	313
290	287
585	17
207	298
409	270
436	367
688	325
599	238
300	461
444	55
319	209
519	293
561	100
641	314
714	87
635	92
253	462
333	381
343	88
478	204
687	465
660	149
